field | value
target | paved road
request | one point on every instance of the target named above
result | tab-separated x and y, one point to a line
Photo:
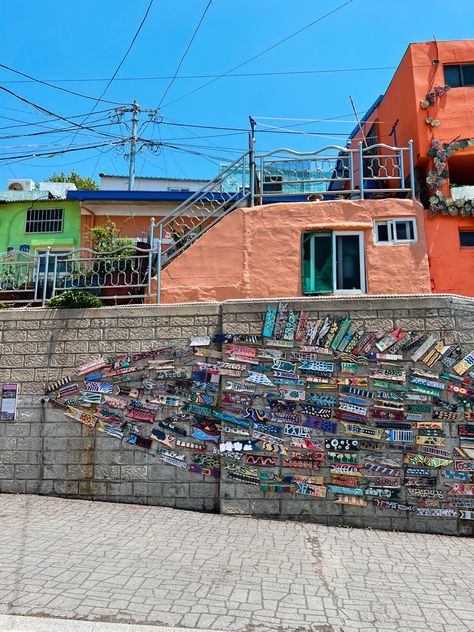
158	566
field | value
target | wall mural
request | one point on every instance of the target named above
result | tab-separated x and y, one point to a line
310	409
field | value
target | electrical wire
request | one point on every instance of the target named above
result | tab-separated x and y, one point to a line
276	73
183	57
263	52
17	158
42	123
121	62
51	85
56	130
46	111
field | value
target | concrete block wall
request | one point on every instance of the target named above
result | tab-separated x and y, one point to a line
447	317
44	452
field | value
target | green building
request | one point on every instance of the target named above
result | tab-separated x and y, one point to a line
33	220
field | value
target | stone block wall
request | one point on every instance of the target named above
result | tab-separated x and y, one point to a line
447	317
43	452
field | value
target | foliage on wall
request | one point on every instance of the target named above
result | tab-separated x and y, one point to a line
439	203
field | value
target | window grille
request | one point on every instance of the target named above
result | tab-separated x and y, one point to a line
44	220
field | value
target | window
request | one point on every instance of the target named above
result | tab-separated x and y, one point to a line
459	75
178	190
466	237
333	262
272	184
395	231
56	257
44	220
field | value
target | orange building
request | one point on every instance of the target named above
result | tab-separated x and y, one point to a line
305	248
430	100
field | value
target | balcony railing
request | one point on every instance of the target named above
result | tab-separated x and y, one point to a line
333	170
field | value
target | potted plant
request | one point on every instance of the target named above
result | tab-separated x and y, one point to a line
122	268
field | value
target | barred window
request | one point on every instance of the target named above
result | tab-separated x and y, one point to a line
44	220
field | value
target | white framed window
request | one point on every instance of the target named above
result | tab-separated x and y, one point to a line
333	262
401	230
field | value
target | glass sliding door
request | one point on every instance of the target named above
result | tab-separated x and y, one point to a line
348	263
317	258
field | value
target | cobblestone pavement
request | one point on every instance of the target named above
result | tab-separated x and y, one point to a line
129	563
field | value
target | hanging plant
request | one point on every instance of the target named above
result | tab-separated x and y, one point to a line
431	97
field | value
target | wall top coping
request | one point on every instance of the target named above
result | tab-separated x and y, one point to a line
373	301
122	311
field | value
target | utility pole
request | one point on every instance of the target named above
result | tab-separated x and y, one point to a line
135	110
133	145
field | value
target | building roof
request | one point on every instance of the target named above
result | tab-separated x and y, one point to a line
109	175
28	196
139	196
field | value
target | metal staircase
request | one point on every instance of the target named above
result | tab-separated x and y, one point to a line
191	219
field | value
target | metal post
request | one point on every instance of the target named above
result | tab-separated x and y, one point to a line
55	272
412	169
361	170
252	161
45	277
36	273
158	273
133	146
244	175
351	169
151	232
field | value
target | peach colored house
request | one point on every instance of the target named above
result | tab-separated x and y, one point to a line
417	106
297	248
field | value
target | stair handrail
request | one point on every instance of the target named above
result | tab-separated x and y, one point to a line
195	196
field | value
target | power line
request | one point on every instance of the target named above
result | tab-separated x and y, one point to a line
51	85
242	130
46	111
42	123
168	88
263	52
231	75
17	158
121	62
55	130
127	52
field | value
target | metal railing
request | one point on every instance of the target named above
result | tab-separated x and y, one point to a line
362	172
118	277
204	208
125	275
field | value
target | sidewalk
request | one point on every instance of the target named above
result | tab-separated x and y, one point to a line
148	566
14	623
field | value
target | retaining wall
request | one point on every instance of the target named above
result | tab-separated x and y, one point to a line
43	452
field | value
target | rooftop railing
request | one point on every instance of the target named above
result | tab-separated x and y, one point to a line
333	170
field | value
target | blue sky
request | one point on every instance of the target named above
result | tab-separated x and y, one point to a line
55	40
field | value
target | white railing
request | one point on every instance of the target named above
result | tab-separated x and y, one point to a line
117	277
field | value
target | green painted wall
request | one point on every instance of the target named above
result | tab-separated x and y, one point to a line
13	220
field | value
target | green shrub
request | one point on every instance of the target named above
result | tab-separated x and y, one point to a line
74	299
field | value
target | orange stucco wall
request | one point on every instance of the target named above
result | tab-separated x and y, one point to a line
256	252
451	267
129	227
